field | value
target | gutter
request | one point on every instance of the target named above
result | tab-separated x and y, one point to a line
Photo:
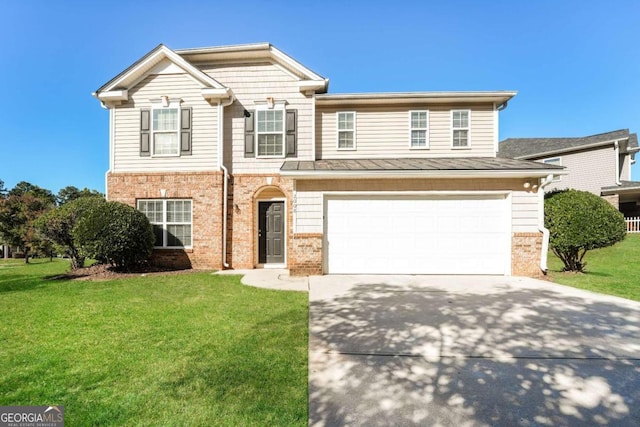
620	190
225	187
545	231
390	98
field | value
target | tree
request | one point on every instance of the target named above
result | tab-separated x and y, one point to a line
579	221
115	233
3	190
18	213
58	225
70	193
24	187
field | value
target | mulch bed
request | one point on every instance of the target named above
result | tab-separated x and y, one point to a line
107	272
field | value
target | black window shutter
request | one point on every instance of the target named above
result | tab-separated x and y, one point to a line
249	134
145	134
291	133
185	131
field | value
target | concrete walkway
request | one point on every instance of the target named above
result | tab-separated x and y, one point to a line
470	351
270	278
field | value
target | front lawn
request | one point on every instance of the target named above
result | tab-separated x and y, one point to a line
614	270
191	349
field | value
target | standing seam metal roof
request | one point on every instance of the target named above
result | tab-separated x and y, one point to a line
416	164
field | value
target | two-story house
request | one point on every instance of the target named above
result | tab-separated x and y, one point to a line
241	159
600	164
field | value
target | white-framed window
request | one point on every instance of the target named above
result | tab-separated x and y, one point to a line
270	132
460	128
419	129
165	130
556	161
171	220
346	127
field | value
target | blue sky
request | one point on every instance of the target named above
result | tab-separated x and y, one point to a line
575	64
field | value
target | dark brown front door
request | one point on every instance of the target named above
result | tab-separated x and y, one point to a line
271	232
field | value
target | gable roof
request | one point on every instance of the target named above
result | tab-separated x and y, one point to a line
527	148
253	51
116	89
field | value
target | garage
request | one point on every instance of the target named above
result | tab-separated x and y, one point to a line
432	234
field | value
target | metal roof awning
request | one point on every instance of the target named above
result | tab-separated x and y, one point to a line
447	167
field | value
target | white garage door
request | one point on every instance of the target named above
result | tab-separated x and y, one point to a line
417	235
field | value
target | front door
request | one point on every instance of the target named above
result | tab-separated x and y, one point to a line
271	232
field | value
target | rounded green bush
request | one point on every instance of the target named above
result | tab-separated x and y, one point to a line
579	221
115	233
58	226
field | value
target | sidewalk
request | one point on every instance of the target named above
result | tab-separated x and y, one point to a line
270	278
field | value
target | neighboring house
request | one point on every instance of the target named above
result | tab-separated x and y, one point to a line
5	251
241	159
600	164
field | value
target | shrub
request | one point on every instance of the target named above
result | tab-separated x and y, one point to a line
115	233
579	221
58	225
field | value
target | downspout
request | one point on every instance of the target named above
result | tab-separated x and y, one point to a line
313	126
545	231
616	146
111	149
225	188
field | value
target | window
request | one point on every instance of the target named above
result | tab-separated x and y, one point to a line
346	130
557	161
460	123
419	129
270	133
171	220
165	128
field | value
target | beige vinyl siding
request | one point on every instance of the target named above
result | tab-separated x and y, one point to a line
625	167
588	170
308	210
383	132
524	212
251	85
204	127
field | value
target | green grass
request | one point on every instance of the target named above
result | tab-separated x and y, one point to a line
614	270
182	350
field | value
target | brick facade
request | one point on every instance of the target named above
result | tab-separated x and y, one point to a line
305	254
613	199
525	254
204	188
245	192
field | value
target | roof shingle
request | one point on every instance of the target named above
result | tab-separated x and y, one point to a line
522	148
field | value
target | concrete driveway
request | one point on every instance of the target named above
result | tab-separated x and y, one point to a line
470	351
